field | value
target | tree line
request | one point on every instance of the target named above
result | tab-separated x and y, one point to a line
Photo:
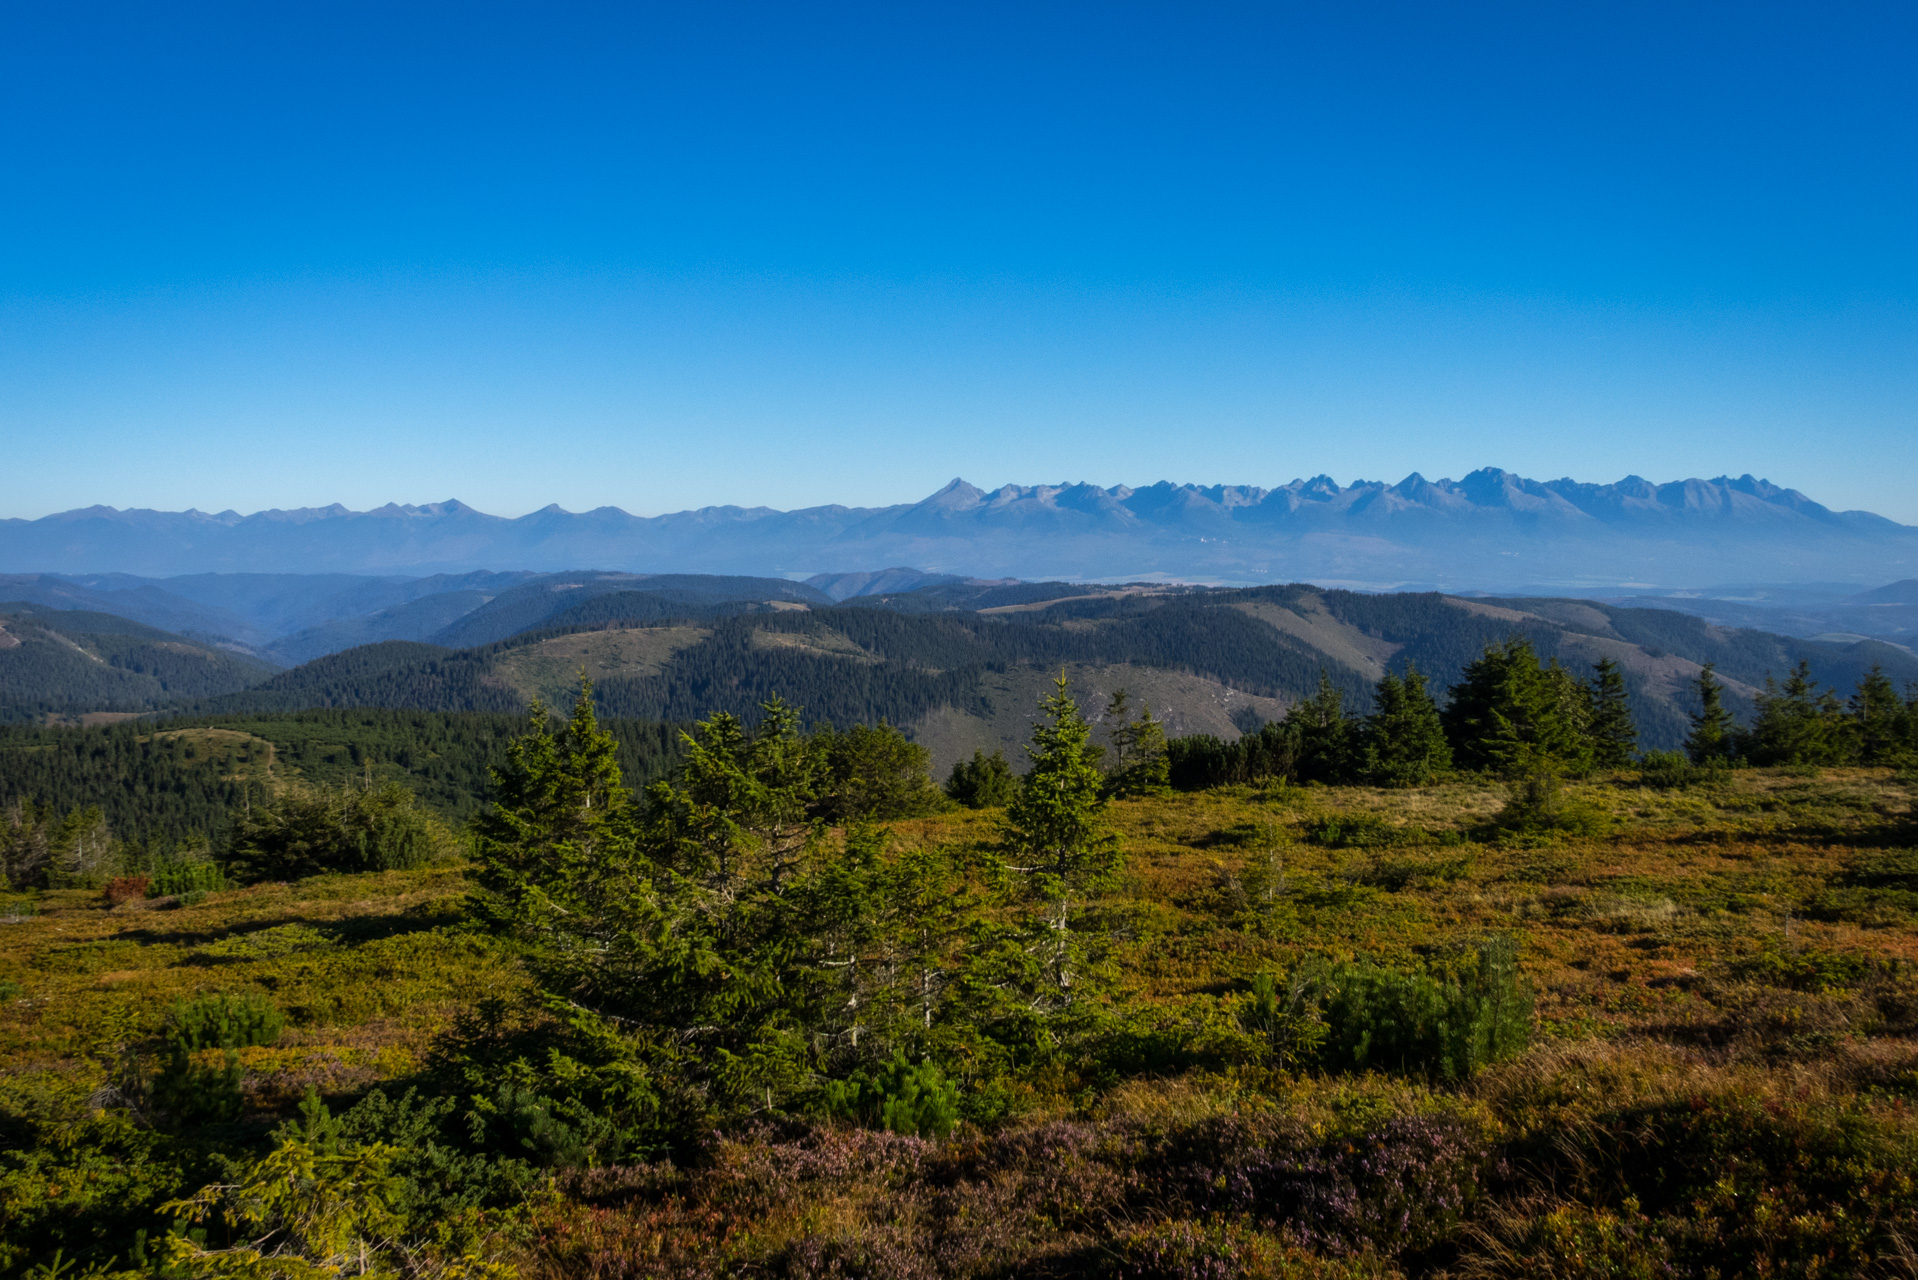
1798	723
1512	715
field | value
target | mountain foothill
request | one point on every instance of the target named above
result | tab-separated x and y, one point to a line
959	664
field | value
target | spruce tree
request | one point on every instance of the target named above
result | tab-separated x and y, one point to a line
983	782
1139	750
1404	740
1608	719
1324	739
560	812
1711	740
1508	714
1798	723
1884	727
1056	839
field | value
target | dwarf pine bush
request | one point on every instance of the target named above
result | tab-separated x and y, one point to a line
905	1097
1414	1023
188	1091
168	879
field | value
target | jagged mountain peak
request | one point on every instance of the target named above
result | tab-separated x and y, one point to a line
1491	529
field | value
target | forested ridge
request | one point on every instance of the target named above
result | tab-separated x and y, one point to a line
902	657
163	784
907	663
58	661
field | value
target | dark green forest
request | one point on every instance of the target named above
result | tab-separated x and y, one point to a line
161	785
62	661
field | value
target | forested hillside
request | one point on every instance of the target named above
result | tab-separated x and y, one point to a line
958	665
947	662
70	662
180	781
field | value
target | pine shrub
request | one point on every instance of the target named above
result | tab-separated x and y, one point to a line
905	1097
188	1091
180	877
1417	1024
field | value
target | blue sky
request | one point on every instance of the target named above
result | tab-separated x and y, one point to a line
660	257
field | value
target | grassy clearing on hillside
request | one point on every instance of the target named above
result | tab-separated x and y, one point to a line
1721	1082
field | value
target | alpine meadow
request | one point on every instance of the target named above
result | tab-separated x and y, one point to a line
1424	980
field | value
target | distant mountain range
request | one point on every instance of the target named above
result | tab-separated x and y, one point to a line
1491	530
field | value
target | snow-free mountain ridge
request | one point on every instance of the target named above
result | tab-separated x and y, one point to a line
1492	530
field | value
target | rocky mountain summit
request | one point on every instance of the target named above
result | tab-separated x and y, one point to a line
1490	530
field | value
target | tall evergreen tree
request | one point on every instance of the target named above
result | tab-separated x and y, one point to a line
1608	717
1884	727
1713	734
1324	739
1057	840
1509	714
876	773
1404	739
560	807
1798	723
1138	748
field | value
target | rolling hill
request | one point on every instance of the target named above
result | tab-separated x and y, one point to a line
961	667
68	662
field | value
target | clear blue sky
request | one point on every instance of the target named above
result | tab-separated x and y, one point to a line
659	257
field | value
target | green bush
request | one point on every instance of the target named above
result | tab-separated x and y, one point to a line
1417	1024
187	1091
1540	807
1286	1019
905	1097
983	782
1359	831
310	832
1674	771
168	879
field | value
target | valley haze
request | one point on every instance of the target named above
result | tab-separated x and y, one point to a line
1491	530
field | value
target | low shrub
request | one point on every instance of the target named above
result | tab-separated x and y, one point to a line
170	878
189	1091
1285	1019
1387	1183
1414	1023
1359	831
1227	1251
1804	969
1668	771
1540	807
905	1097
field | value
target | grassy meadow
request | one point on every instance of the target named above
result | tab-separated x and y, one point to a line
1720	1078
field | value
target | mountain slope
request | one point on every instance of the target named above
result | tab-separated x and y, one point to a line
69	662
960	678
1492	529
